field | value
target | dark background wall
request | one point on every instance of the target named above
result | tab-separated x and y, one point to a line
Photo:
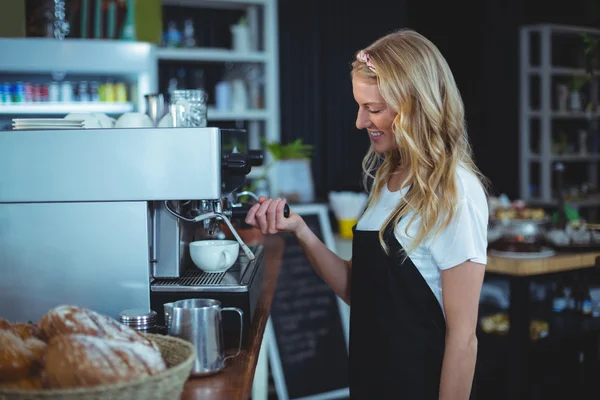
479	38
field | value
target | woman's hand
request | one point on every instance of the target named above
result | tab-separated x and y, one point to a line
267	215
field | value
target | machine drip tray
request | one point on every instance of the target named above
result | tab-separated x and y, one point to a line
238	278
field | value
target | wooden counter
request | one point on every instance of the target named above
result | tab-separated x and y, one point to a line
235	381
539	266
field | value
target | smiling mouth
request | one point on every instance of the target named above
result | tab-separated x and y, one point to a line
375	133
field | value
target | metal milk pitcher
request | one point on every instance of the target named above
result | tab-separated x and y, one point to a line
155	107
199	321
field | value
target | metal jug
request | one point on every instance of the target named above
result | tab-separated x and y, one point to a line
199	321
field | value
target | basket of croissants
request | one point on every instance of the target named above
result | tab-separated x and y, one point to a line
74	353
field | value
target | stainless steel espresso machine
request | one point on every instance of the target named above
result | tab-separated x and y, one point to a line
102	218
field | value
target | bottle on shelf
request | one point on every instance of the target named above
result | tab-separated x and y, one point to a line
559	299
586	302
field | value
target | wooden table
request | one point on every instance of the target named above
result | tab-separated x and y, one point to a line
520	273
235	381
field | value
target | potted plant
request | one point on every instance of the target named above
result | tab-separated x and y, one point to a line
292	169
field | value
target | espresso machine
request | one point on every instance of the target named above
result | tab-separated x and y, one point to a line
102	218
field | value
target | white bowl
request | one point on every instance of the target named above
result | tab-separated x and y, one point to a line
104	120
134	120
214	256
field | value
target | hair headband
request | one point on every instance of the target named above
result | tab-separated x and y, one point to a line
365	58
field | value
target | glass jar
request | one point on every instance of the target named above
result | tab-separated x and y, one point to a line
188	108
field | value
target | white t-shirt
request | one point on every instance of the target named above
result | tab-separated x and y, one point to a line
464	239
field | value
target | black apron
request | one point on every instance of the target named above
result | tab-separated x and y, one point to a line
397	327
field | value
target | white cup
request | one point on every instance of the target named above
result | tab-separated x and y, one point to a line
134	120
214	256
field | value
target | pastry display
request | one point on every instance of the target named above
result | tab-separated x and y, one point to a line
81	360
524	213
499	324
16	360
515	227
27	331
68	320
575	233
74	347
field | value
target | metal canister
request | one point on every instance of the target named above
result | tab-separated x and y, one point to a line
142	320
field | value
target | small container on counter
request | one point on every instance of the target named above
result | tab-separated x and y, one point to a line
142	320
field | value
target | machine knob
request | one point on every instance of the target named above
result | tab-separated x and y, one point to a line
257	157
237	164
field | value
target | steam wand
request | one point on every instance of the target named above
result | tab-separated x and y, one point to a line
214	214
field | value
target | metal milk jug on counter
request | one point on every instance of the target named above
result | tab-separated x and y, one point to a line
199	321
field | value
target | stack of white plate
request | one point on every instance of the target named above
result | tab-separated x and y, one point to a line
47	123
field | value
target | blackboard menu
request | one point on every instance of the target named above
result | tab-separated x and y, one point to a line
307	324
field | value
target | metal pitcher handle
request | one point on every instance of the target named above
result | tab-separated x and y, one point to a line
241	314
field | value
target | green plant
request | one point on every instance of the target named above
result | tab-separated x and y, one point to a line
295	150
590	51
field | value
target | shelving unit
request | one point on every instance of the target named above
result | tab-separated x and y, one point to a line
214	55
64	108
264	120
133	62
546	115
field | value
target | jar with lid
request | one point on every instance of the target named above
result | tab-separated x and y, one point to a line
142	320
188	108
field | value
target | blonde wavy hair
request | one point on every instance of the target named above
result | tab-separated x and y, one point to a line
415	81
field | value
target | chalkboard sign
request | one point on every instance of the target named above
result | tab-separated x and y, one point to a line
308	326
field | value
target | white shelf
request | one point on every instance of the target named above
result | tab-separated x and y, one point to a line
210	54
566	114
568	157
64	108
246	115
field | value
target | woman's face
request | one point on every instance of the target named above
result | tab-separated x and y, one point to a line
374	115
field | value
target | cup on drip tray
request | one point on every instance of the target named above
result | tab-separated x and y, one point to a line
214	256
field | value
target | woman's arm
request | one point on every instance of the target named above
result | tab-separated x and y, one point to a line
268	216
335	271
461	288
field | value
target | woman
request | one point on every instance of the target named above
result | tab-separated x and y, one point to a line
419	249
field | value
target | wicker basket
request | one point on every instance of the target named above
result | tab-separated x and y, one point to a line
178	354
